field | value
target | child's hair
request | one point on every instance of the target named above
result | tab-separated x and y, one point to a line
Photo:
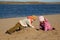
34	17
41	18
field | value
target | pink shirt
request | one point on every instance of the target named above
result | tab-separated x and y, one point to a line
47	25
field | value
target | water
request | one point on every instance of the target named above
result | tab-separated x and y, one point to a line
17	10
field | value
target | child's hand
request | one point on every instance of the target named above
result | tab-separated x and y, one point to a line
37	29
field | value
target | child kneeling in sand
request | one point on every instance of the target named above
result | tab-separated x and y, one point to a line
45	25
23	24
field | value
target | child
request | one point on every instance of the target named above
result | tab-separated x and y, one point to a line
23	24
45	25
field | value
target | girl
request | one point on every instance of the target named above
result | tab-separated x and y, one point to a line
45	25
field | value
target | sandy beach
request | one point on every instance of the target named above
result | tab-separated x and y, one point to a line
30	33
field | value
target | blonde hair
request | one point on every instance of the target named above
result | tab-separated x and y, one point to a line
34	17
41	18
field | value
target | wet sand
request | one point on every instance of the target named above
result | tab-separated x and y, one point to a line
30	33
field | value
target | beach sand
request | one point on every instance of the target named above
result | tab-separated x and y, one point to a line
30	33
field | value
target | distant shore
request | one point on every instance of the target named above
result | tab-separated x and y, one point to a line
7	2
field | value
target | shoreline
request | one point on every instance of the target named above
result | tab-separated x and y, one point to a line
28	15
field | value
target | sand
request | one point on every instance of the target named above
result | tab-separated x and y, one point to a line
30	33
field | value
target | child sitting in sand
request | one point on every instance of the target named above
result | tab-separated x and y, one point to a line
45	25
23	24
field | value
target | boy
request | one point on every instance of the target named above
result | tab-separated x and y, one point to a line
23	24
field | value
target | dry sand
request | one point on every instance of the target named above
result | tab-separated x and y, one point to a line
29	33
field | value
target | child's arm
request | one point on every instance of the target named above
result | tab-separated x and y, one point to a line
29	23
